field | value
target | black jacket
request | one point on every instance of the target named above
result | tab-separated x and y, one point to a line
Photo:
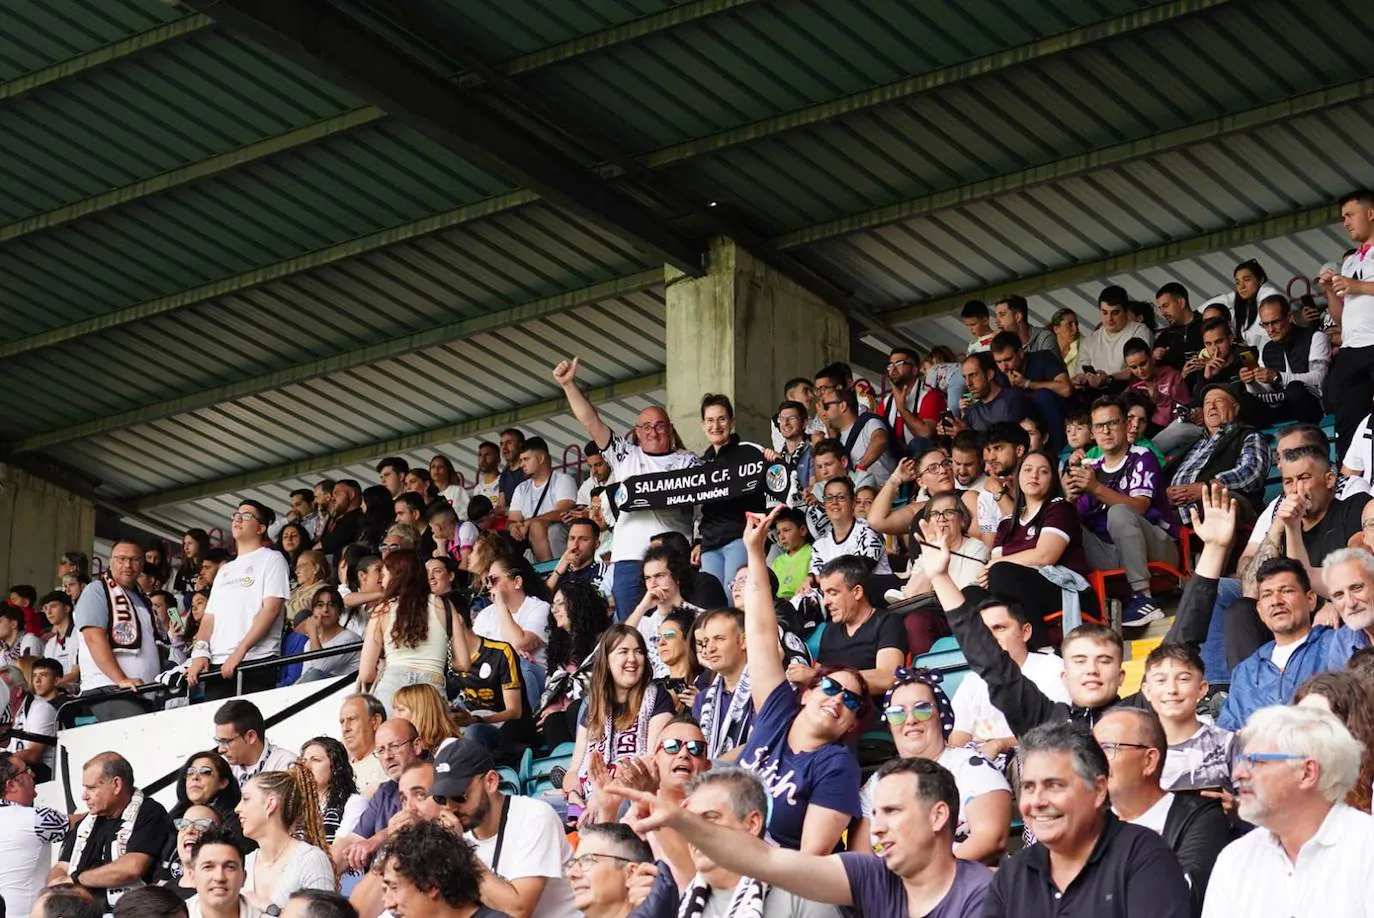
1020	699
1196	830
342	532
722	521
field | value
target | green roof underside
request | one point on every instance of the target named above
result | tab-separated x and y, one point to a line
248	241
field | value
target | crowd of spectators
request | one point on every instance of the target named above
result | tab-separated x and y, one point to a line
736	682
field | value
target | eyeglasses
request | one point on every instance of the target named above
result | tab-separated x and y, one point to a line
244	517
1107	425
393	749
852	700
227	741
1251	759
695	748
831	404
944	515
897	363
1111	749
1273	323
390	546
836	498
204	771
921	711
936	466
585	862
656	427
200	825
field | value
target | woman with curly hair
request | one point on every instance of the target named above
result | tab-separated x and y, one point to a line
280	810
624	713
411	629
1348	697
340	803
424	706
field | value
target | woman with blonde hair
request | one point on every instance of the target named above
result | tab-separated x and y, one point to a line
280	810
312	574
428	713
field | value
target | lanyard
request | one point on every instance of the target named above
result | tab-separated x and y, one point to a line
500	835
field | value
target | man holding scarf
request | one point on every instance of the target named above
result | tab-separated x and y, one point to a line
116	845
118	641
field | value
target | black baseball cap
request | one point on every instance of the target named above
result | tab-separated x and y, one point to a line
1227	387
457	764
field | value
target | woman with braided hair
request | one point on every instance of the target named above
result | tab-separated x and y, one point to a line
280	810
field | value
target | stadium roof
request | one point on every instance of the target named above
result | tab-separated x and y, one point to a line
247	242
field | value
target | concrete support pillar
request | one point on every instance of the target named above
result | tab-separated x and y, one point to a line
743	330
38	522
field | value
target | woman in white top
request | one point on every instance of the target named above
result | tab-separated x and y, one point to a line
951	521
920	716
445	479
1252	287
410	630
341	806
278	806
518	614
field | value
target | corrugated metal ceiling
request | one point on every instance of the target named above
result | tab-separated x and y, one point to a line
145	152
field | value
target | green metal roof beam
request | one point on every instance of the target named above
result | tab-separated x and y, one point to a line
194	172
607	38
901	89
395	347
525	414
1069	167
104	55
317	259
1191	247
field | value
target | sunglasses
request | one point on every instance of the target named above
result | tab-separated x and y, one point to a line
201	825
203	770
921	711
441	800
695	748
851	699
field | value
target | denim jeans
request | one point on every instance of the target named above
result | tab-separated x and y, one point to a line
396	678
627	586
1213	651
532	677
724	562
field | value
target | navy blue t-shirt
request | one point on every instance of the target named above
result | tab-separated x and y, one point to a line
828	776
878	891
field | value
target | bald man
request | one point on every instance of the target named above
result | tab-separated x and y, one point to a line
397	747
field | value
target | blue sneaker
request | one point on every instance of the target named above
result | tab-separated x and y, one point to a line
1140	611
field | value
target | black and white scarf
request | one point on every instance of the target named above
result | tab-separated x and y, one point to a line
746	902
724	730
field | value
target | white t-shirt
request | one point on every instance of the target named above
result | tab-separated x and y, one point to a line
1104	351
27	834
490	490
93	611
634	529
533	616
64	651
974	712
584	491
308	868
535	846
1357	319
458	498
974	776
882	466
525	500
40	718
337	666
240	588
1360	456
860	540
30	645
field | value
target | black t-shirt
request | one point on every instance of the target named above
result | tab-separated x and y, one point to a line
494	669
705	592
860	650
151	829
1342	521
1181	343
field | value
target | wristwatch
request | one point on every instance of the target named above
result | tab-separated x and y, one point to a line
273	910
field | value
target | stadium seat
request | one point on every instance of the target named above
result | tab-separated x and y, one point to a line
813	640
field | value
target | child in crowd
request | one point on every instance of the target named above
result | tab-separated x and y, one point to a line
794	561
1078	433
975	317
863	499
1200	753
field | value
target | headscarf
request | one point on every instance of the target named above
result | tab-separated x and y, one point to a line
932	679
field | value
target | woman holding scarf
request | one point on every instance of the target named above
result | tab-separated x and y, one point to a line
920	716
